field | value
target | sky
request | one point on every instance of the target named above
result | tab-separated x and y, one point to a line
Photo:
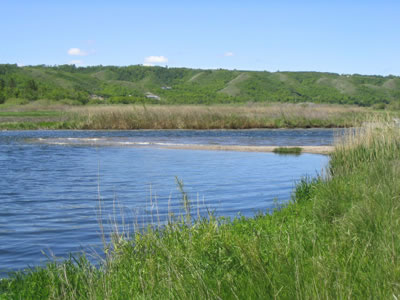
346	37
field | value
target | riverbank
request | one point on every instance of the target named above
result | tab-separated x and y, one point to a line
125	117
339	237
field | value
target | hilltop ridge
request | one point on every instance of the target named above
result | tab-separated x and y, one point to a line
132	84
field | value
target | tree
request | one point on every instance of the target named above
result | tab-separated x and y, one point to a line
2	98
12	83
31	84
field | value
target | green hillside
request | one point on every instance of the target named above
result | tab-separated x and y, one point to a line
111	84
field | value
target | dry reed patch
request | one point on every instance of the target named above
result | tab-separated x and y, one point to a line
259	111
268	115
273	110
376	130
215	116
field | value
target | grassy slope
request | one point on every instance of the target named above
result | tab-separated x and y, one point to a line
338	238
201	86
232	88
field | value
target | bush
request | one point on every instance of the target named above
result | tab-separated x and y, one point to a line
17	101
379	106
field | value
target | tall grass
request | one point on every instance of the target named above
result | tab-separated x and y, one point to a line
189	116
338	238
218	116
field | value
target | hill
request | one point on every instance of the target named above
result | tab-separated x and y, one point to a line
112	84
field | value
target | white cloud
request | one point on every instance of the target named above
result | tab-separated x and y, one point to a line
155	60
77	52
229	54
75	62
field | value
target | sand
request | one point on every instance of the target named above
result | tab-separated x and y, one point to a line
305	149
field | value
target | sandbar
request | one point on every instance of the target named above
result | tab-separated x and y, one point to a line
305	149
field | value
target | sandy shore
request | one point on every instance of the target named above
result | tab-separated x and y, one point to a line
305	149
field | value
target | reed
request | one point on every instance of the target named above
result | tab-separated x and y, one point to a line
339	237
187	116
218	116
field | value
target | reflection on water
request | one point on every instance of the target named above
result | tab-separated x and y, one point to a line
49	193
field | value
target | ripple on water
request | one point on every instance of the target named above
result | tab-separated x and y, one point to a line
49	193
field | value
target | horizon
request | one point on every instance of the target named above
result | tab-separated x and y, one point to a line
201	69
342	38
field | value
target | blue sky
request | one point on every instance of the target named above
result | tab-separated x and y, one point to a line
333	36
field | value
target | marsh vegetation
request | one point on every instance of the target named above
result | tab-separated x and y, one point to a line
288	150
36	116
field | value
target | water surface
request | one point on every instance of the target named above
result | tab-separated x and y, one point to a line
52	181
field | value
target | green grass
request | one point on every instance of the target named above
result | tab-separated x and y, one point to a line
40	125
338	238
288	150
30	113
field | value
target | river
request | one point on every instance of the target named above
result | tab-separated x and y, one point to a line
52	183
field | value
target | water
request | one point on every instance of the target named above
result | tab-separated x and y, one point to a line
51	182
